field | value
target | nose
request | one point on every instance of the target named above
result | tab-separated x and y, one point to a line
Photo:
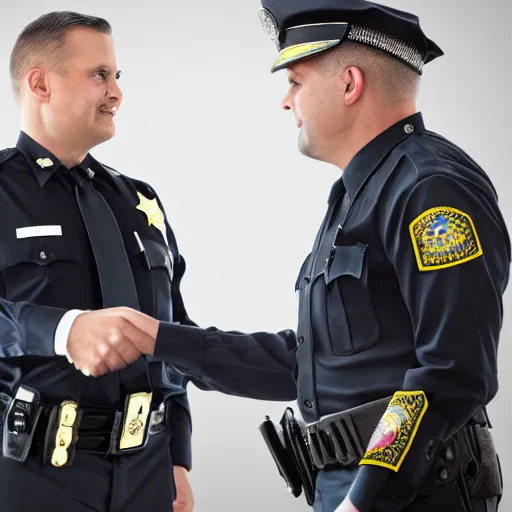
286	103
114	92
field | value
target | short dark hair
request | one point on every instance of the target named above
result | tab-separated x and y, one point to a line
47	36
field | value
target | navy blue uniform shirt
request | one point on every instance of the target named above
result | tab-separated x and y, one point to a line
402	291
42	277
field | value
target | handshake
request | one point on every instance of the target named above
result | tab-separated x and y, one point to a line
110	339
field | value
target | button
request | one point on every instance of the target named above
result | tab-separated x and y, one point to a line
42	255
443	475
308	404
448	455
408	128
301	340
307	280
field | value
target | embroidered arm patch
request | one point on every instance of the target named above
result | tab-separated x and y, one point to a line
396	430
443	237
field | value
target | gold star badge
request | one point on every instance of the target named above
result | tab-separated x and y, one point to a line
44	162
154	214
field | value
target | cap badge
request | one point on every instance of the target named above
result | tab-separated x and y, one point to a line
269	25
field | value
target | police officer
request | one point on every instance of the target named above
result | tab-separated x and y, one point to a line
77	236
395	355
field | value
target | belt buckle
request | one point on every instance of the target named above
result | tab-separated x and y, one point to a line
134	432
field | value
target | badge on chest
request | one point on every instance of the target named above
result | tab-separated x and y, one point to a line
153	213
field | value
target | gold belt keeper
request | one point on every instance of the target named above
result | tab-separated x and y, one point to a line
64	437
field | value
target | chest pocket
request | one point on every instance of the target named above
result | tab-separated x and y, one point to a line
29	264
155	283
352	322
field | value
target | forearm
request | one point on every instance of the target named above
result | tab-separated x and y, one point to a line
28	329
258	365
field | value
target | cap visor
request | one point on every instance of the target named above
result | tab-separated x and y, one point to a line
298	52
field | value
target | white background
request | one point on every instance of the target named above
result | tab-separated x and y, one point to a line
201	122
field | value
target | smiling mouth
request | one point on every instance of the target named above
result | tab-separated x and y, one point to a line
109	111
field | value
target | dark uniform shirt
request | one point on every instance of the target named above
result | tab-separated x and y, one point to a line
42	277
402	291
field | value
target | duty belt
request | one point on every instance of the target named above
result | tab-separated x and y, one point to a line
340	440
57	432
336	440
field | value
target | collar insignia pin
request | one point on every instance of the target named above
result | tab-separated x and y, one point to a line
44	162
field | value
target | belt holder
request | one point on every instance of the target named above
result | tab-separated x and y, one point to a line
342	438
282	457
61	435
19	423
130	433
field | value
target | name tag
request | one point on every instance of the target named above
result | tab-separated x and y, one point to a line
32	231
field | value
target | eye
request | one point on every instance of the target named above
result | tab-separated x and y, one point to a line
293	83
118	75
101	74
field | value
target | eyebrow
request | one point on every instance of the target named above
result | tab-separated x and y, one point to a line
294	74
108	69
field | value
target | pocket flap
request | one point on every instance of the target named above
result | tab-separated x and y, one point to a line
40	250
158	255
299	283
347	260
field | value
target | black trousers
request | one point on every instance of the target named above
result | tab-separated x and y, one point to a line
333	486
133	483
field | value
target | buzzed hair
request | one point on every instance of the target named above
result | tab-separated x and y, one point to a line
395	80
45	37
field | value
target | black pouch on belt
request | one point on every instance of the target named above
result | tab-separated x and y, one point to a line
19	423
287	446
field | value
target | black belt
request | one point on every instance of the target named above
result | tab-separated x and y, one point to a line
98	430
57	432
335	441
340	439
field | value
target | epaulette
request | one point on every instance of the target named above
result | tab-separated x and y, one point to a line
7	154
111	171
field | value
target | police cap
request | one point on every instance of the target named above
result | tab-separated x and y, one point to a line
304	28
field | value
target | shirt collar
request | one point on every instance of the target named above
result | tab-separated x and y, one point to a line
45	164
370	156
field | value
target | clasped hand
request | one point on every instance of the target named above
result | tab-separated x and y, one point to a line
110	339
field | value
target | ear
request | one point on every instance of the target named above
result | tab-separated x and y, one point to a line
38	84
353	79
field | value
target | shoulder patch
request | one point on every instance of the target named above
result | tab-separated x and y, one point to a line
444	237
396	430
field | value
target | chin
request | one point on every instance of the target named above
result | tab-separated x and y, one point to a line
105	135
306	148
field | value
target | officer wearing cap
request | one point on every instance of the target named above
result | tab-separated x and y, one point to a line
77	236
395	355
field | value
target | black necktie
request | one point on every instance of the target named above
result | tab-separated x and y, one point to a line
114	270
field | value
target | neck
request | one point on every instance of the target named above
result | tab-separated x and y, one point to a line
368	126
67	151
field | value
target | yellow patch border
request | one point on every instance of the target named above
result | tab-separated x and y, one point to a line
412	435
422	267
